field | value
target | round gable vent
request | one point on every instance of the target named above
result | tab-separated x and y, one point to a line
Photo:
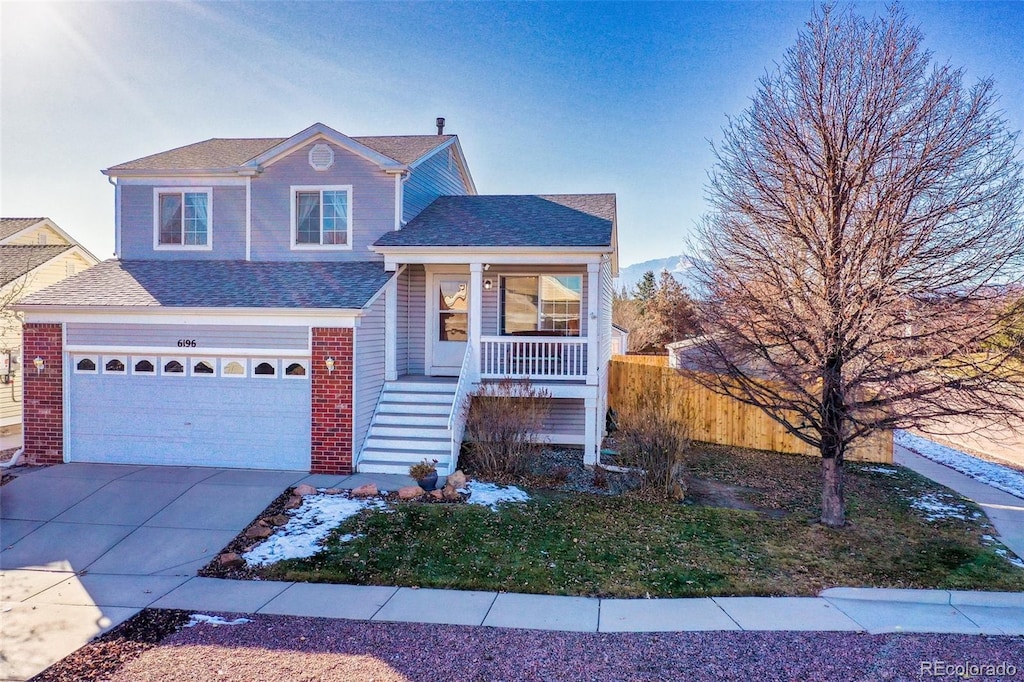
321	157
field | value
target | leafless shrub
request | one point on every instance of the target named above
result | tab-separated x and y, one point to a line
502	427
653	442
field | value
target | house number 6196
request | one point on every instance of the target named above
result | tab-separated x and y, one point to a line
186	343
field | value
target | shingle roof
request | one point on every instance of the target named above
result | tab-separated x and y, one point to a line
233	152
571	220
16	260
9	226
227	284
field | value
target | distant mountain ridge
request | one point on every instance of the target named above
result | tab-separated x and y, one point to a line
681	267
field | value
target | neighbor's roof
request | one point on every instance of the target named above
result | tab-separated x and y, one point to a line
221	152
17	260
227	284
12	226
553	220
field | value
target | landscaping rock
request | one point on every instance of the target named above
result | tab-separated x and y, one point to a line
368	490
456	480
258	531
450	494
294	502
230	560
303	490
277	520
333	491
410	492
437	494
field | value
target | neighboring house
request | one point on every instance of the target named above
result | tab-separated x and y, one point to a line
321	303
620	340
34	253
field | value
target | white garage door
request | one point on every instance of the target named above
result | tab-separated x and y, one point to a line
190	411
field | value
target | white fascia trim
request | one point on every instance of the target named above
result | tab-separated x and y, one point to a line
143	177
117	216
319	131
197	353
314	317
248	219
190	180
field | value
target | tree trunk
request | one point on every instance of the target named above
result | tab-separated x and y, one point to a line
833	504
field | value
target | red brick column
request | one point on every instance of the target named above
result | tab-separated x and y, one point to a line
332	401
44	394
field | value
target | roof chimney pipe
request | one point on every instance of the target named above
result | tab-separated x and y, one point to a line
440	125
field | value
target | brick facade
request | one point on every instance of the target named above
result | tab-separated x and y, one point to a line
44	394
332	401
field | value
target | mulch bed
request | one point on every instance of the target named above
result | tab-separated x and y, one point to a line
104	656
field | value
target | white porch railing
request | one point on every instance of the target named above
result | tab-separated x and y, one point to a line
535	357
460	403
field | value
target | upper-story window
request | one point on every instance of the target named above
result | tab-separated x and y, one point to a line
322	217
182	218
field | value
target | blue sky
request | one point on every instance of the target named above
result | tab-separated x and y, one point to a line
546	98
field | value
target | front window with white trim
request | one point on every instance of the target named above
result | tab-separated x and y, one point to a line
321	217
544	304
182	218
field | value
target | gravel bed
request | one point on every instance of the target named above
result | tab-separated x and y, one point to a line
548	468
271	648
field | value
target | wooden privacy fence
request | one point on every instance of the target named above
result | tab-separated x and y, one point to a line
715	418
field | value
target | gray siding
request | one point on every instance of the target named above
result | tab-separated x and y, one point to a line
402	325
369	370
206	336
438	175
228	226
565	422
372	210
491	300
416	317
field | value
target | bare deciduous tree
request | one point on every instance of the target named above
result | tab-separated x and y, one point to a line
866	224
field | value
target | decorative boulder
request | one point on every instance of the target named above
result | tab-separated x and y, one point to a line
368	490
294	502
277	519
332	491
456	480
230	560
303	490
410	492
436	494
258	531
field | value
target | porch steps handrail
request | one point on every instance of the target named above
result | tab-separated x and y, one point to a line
457	419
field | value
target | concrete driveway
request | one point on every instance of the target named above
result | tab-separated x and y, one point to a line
85	546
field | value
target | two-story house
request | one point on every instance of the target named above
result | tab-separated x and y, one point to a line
321	303
34	253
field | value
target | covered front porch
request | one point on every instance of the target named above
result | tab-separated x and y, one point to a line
463	324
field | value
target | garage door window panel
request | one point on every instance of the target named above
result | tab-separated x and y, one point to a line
145	366
203	367
264	369
296	369
233	368
85	365
115	365
172	367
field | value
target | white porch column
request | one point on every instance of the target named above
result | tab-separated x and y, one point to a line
476	307
590	441
391	327
593	328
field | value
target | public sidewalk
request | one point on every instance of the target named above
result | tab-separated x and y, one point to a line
1005	511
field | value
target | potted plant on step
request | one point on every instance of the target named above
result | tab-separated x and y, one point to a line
425	474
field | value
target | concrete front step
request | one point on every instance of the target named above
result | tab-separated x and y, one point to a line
409	442
375	466
403	430
423	386
389	407
419	398
410	419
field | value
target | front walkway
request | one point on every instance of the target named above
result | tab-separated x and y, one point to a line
84	547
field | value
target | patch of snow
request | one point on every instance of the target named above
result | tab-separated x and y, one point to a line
936	508
880	470
1009	556
492	494
197	618
310	524
349	537
995	475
